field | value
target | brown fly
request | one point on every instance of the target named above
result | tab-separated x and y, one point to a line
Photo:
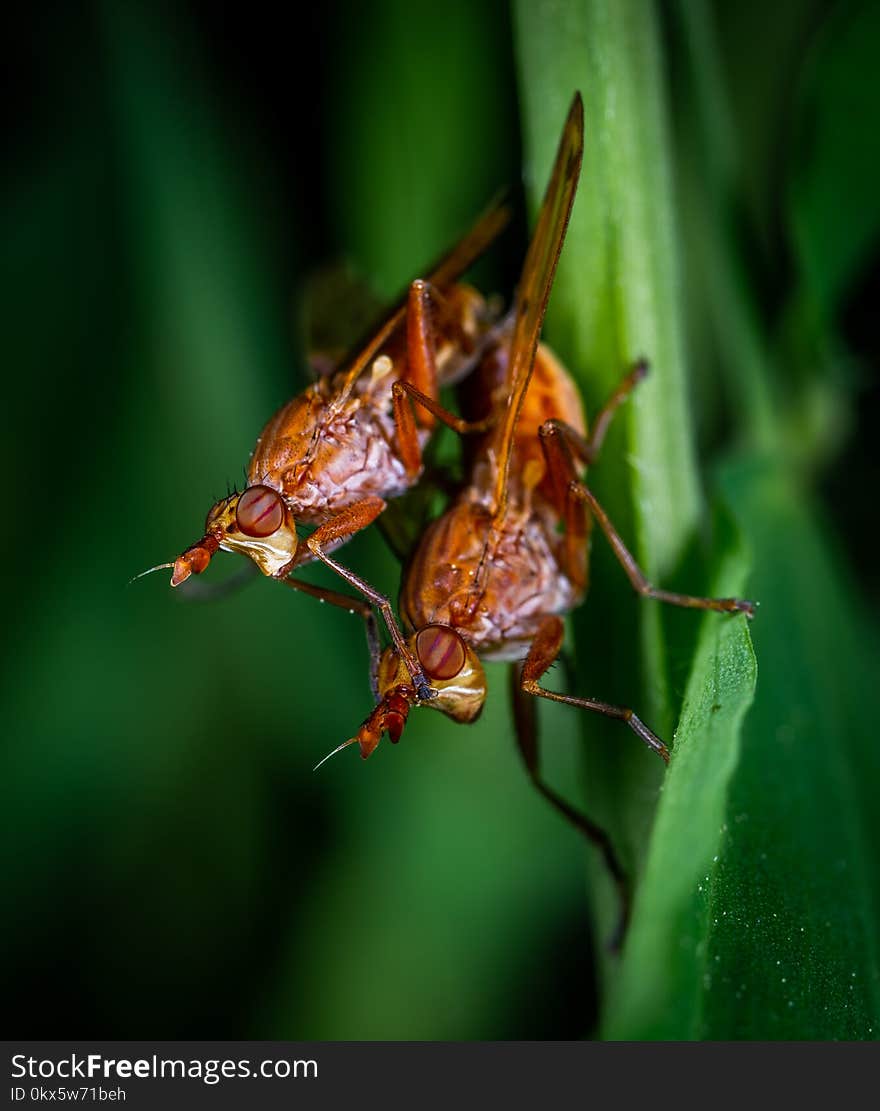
332	455
491	578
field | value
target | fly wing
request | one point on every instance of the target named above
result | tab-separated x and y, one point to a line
465	253
338	309
533	291
443	273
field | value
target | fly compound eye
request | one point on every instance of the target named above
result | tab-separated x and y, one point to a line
260	511
441	651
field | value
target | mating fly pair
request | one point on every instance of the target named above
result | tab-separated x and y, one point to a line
491	578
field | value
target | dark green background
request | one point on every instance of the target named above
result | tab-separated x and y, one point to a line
173	866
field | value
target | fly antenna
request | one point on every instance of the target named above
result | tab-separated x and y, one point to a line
339	748
149	571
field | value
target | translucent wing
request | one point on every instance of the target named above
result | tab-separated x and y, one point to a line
453	264
443	273
337	310
534	287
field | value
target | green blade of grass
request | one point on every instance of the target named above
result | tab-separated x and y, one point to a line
615	299
794	952
756	915
664	967
796	894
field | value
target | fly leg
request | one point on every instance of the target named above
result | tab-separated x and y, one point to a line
588	448
561	445
353	605
543	651
345	524
421	386
637	577
526	726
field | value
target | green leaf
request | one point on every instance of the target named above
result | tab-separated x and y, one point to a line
663	970
757	917
795	951
615	299
758	912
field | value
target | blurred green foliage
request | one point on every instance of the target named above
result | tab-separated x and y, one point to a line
172	866
755	917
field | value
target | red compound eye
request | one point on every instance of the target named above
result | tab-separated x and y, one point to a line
441	651
260	511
